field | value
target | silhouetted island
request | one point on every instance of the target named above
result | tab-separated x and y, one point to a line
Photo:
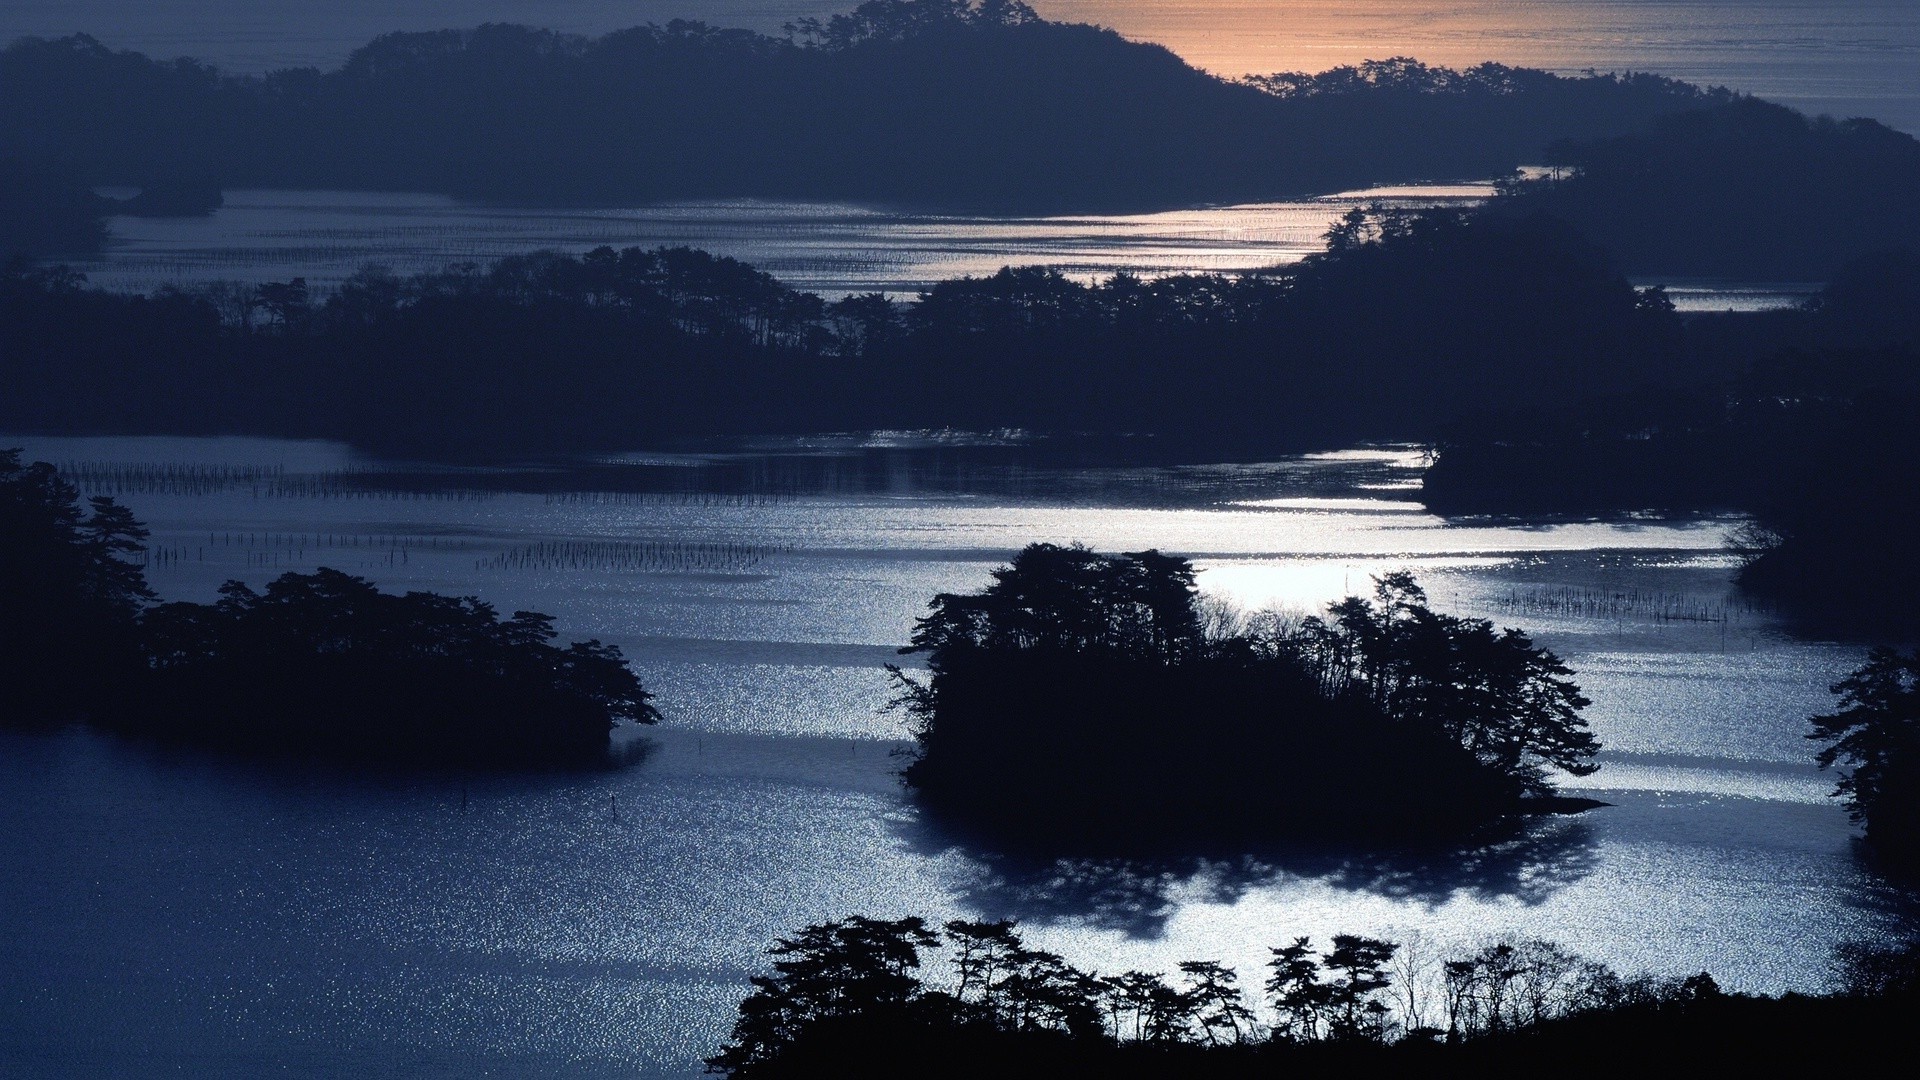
1809	436
977	105
1747	190
327	665
320	665
1089	702
1406	322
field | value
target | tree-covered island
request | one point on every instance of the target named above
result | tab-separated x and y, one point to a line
1097	702
320	665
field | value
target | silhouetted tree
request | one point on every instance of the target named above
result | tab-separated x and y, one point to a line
1875	737
849	998
1355	1008
857	968
982	954
71	589
1505	700
1299	999
1218	1006
285	301
1070	599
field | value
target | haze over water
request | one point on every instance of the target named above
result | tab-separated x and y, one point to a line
1844	57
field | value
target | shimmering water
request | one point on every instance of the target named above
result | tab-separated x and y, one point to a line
1847	57
834	250
819	247
168	911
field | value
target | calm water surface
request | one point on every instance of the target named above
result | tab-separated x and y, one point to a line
171	912
831	249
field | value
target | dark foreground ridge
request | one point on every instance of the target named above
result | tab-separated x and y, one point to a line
1087	702
850	998
320	665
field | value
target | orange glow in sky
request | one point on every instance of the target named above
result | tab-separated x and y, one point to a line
1847	57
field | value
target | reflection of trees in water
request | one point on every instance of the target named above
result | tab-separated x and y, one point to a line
1532	864
1137	896
1885	895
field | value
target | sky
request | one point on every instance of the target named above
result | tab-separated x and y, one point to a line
1845	57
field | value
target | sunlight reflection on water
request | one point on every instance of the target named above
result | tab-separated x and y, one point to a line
827	248
604	924
831	249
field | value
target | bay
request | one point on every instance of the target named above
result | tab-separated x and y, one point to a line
172	909
831	249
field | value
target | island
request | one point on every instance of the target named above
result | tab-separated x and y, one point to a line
1097	703
317	666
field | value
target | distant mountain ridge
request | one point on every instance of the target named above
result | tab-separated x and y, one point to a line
934	104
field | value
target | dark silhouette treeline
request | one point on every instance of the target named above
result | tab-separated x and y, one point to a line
1748	190
1810	438
70	595
859	997
933	103
320	665
1091	703
1874	736
1408	321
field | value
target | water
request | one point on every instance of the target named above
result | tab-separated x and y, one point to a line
830	249
172	911
1845	57
827	248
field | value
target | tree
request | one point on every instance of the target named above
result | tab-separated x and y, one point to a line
1338	996
1042	992
285	301
1355	1010
1214	991
982	953
1299	999
70	594
1508	702
1875	736
1070	599
856	968
1142	997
